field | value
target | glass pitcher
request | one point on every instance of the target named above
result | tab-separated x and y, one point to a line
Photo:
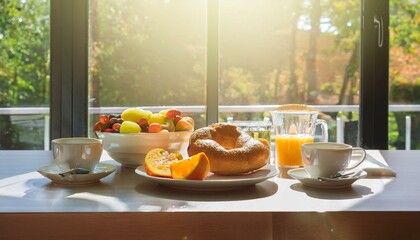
292	129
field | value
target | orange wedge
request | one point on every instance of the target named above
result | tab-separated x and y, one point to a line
158	161
197	167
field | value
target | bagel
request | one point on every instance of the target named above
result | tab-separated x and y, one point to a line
230	150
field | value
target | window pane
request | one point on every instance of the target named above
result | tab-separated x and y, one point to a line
278	52
404	74
147	54
24	74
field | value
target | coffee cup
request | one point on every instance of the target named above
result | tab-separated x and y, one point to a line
329	159
78	152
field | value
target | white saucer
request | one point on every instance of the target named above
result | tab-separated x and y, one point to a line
301	175
215	182
52	172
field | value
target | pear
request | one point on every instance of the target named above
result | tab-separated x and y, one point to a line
183	125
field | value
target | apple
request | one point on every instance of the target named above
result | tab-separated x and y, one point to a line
176	119
172	113
169	125
155	128
157	118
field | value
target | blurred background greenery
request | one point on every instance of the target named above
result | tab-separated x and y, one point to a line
153	53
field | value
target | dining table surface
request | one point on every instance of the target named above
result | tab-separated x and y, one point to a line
127	205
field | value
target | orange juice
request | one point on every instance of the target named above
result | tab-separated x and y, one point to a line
288	149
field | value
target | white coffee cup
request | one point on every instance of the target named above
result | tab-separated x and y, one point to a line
327	159
77	152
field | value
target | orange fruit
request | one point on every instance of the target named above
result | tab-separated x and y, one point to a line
264	141
197	167
157	162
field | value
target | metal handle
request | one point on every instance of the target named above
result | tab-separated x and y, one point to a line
379	23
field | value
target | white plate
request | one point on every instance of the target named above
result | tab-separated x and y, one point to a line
215	182
52	172
301	175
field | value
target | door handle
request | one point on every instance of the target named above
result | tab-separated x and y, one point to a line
379	24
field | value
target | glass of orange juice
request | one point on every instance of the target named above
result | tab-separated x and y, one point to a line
292	128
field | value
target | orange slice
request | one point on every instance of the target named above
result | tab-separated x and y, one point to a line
197	167
158	161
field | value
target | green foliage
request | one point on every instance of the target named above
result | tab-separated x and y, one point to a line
331	88
402	91
24	68
137	60
404	24
344	18
140	61
24	53
239	87
393	131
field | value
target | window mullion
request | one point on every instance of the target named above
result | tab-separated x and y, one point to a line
212	89
373	125
69	38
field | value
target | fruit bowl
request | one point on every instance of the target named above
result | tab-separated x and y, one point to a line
131	149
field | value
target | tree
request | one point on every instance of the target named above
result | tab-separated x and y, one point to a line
404	25
344	17
311	75
293	84
24	60
147	53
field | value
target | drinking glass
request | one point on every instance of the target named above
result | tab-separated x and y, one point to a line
292	129
256	129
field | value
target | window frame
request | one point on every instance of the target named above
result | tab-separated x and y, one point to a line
69	70
374	77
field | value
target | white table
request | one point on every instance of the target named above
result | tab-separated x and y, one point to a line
125	206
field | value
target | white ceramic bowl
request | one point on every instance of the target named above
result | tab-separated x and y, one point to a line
131	149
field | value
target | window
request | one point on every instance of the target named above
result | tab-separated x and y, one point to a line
24	74
147	53
214	58
404	75
140	56
278	52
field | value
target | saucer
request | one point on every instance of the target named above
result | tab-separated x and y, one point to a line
301	175
53	171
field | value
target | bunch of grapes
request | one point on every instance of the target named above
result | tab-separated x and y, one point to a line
108	123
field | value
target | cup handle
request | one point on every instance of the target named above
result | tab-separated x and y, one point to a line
362	157
324	128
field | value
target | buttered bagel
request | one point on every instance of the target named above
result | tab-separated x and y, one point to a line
230	150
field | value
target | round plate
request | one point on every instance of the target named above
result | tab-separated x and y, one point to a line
52	172
301	175
215	182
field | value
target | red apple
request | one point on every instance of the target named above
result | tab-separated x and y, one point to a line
155	128
172	113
